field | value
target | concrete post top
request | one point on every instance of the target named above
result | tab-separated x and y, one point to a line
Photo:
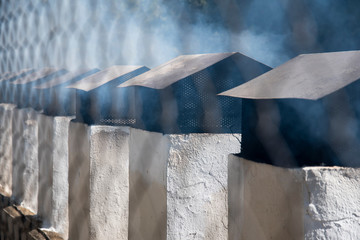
7	106
95	129
209	135
210	142
330	168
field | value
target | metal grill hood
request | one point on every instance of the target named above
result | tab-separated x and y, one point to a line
305	112
180	96
99	101
308	76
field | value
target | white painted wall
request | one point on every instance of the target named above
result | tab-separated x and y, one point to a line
149	153
6	116
25	158
98	182
178	185
53	172
109	182
79	184
197	189
332	203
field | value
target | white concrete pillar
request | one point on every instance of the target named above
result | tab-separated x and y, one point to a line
99	182
197	189
53	172
332	203
6	158
149	152
178	185
79	181
25	171
265	202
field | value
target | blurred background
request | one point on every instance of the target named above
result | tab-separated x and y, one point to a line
95	33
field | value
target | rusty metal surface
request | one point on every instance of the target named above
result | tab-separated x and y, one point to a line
65	78
176	69
35	76
100	78
308	76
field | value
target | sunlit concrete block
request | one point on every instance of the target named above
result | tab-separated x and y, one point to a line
332	203
53	172
25	172
197	189
98	182
178	185
6	116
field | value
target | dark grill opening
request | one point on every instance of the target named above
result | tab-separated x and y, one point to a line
308	133
99	101
180	96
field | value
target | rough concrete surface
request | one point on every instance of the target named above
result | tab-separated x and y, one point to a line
178	185
265	202
25	158
126	183
332	203
98	182
197	189
53	173
109	182
6	116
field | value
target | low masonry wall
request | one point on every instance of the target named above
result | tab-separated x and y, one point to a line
67	180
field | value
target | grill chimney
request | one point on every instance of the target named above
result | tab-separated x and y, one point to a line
180	96
305	112
55	98
98	101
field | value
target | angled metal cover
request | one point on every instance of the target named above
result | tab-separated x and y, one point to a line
35	76
10	75
176	69
66	78
4	76
308	76
100	78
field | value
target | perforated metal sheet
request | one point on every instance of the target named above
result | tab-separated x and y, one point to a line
201	108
